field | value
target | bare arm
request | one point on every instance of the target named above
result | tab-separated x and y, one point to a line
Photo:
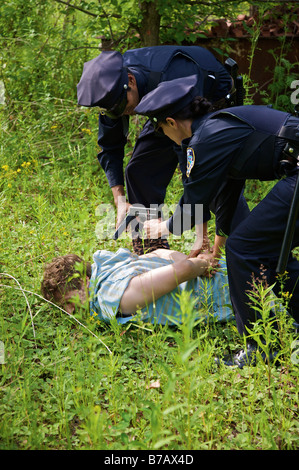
219	243
148	287
120	202
202	240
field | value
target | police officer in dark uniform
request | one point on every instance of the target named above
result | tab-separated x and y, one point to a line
233	145
116	83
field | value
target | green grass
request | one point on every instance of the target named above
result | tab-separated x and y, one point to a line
70	385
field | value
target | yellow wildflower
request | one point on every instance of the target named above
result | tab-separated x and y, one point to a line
93	315
287	295
88	131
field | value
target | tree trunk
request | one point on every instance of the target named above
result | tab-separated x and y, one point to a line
150	26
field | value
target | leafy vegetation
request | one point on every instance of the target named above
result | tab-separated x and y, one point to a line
70	383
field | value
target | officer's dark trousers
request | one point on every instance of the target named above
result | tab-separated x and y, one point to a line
253	248
151	167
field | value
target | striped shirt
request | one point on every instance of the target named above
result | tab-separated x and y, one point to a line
112	272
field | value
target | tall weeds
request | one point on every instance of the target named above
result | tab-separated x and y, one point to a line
141	386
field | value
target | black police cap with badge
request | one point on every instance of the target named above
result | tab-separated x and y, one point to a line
168	98
104	83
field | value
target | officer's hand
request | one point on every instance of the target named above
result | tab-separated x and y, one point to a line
200	245
213	262
155	228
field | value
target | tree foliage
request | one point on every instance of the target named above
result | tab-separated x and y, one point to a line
44	43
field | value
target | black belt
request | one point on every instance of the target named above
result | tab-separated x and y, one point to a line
290	153
290	157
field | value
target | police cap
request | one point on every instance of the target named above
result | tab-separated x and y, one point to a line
104	81
168	98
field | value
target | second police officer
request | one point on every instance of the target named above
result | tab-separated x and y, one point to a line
233	145
116	83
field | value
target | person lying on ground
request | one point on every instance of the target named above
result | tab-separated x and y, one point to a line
148	287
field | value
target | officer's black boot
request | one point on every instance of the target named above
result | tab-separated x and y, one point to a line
247	357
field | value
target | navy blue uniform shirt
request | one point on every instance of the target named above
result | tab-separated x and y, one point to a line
216	144
173	62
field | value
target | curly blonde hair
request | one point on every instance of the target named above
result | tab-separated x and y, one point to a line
62	275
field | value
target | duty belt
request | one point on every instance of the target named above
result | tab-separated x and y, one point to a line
290	161
290	157
290	153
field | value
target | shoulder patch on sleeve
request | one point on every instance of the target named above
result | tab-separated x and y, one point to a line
190	160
